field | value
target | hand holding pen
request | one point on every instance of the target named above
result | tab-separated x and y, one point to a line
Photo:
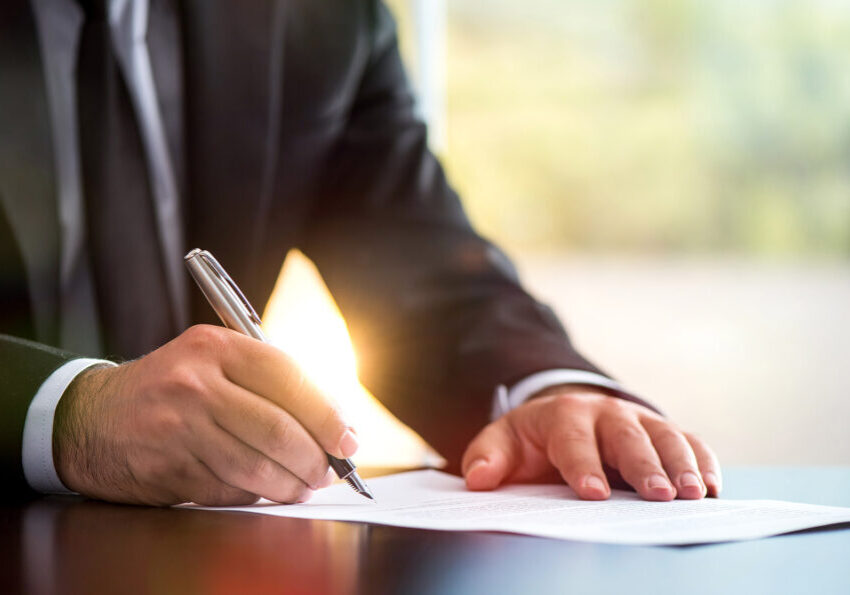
213	417
236	312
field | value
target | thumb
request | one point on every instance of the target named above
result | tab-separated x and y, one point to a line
491	457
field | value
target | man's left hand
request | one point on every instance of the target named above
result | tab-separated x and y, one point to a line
576	432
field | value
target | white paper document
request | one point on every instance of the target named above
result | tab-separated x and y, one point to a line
435	500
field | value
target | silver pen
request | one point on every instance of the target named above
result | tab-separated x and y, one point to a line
237	314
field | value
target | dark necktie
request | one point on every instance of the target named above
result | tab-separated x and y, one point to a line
133	303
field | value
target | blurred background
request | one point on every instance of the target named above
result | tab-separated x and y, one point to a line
672	177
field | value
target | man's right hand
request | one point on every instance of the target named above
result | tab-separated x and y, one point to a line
212	417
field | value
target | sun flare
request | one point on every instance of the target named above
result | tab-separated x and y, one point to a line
302	319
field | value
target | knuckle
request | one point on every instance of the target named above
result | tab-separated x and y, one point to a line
628	432
263	470
158	471
617	406
573	436
564	403
168	423
669	436
205	338
184	379
279	433
568	445
197	334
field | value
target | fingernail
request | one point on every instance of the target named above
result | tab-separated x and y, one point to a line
712	482
348	445
476	464
591	482
657	481
688	479
305	496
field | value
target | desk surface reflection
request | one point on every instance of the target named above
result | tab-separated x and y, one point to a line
67	545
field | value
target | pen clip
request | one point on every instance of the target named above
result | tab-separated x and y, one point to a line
219	271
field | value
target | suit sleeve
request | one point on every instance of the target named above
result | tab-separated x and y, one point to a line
24	365
437	314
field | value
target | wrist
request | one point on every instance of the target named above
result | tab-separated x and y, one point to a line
69	426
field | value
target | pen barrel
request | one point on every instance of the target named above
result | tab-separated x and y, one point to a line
224	301
342	467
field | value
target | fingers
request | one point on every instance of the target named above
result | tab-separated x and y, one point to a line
268	372
628	448
273	432
573	450
592	439
678	459
240	466
172	476
201	486
708	465
491	457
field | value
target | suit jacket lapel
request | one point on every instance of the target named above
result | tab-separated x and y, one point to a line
27	175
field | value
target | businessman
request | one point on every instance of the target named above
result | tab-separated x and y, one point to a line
132	130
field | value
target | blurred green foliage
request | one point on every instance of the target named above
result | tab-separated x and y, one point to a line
652	125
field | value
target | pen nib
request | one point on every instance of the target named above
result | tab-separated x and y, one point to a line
359	486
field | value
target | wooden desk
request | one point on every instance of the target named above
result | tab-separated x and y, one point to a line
65	545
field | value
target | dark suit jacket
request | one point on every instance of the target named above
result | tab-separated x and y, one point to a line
299	131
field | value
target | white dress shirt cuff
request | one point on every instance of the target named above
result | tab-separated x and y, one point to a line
37	448
505	399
